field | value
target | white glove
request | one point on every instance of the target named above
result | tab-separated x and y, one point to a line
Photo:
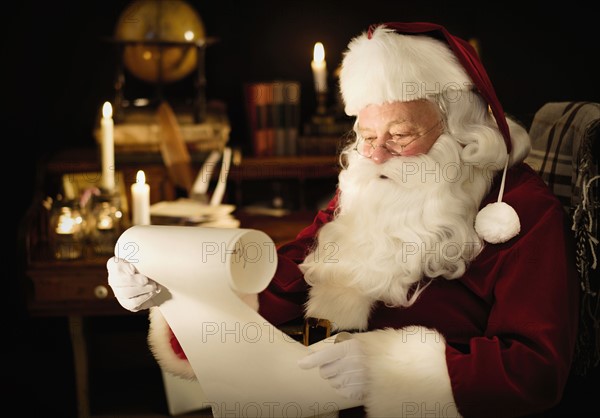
133	290
343	365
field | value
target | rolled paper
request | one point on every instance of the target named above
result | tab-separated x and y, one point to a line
229	345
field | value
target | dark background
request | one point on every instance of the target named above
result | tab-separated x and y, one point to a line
57	70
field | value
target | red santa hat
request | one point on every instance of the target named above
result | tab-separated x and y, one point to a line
394	62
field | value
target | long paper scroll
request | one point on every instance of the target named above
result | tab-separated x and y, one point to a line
244	365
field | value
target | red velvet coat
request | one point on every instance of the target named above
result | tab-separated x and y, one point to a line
509	323
496	342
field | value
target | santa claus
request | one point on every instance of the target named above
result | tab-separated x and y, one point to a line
442	255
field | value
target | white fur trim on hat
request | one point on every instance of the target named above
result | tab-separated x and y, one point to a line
391	67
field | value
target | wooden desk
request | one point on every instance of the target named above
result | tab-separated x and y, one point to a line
243	171
68	287
78	289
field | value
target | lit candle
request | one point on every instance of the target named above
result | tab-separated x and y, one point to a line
319	68
108	148
140	198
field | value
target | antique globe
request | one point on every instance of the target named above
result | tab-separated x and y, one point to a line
160	39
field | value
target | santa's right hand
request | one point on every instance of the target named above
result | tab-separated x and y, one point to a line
133	290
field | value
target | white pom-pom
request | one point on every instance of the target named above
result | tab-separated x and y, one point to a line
497	223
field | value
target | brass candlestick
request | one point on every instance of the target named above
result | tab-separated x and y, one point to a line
321	102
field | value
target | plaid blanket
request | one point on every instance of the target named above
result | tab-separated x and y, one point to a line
565	140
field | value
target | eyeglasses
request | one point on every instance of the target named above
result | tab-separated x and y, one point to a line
395	147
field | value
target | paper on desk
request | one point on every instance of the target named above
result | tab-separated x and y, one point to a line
245	366
189	208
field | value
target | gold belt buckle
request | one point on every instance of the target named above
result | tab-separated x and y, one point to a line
311	323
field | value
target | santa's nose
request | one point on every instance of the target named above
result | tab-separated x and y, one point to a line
380	155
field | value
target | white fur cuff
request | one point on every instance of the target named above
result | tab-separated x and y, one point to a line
159	341
407	373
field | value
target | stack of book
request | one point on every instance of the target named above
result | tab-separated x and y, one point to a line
273	115
140	132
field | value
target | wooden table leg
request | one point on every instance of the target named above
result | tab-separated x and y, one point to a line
76	328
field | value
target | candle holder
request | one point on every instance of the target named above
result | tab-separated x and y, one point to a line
67	230
321	103
321	122
105	223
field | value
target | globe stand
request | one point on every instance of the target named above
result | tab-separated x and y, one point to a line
198	88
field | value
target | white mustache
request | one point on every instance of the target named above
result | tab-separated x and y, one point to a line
412	171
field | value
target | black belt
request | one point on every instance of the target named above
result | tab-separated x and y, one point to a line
312	330
315	330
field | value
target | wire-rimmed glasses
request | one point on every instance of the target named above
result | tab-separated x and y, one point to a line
366	147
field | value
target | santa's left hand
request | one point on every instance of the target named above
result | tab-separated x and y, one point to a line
342	365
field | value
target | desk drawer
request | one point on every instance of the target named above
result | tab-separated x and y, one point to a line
71	291
77	285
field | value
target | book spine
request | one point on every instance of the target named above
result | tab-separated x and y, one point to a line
278	118
291	118
273	114
251	108
257	115
270	122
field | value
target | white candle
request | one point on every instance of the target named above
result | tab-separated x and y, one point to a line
140	200
108	148
319	68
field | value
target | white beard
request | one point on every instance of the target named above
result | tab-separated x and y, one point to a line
391	233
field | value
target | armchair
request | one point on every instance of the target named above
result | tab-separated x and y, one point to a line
565	140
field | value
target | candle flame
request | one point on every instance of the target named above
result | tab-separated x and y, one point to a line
319	52
107	110
140	177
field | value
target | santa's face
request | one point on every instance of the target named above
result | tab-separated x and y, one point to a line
400	218
398	128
